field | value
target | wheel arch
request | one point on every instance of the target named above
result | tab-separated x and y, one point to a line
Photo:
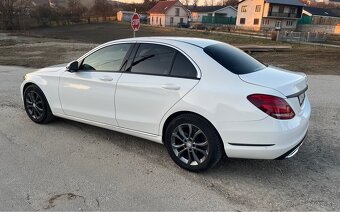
28	84
178	113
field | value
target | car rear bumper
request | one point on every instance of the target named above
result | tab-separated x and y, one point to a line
268	138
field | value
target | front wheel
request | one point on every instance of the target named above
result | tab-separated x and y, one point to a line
193	143
36	105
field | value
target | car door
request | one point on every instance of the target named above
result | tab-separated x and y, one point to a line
89	93
157	76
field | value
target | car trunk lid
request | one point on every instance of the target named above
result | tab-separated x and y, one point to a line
290	84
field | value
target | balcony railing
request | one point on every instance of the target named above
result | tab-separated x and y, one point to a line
284	15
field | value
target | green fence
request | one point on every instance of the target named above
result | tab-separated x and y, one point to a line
219	20
305	20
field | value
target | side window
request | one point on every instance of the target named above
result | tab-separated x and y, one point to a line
183	67
106	59
153	59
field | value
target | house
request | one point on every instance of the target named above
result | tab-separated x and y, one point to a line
259	15
318	20
168	13
198	12
124	16
320	16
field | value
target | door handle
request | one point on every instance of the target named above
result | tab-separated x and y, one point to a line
106	78
171	87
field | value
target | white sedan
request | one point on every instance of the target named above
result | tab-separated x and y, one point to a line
201	98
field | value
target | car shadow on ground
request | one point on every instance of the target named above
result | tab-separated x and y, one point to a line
304	163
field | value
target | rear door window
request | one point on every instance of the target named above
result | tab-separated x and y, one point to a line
233	59
182	67
153	59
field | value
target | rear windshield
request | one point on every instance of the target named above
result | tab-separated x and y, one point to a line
233	59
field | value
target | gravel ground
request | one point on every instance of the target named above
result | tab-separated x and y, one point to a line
72	166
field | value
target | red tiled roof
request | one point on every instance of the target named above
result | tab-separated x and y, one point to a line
162	6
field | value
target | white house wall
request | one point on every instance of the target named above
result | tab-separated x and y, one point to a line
157	19
165	19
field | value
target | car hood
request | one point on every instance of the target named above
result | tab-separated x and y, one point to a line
284	81
53	68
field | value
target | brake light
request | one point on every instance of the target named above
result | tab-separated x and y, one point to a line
274	106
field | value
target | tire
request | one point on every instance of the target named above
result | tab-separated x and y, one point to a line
197	149
36	105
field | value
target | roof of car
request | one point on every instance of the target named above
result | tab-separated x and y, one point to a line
199	42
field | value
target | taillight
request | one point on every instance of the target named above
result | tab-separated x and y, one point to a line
274	106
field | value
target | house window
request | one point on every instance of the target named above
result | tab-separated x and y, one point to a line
292	10
244	8
171	21
242	21
176	11
156	20
256	21
266	21
258	8
289	23
151	20
278	24
281	9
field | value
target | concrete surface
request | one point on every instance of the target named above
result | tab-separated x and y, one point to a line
71	166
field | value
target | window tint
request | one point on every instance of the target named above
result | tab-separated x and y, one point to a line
106	59
183	67
153	59
233	59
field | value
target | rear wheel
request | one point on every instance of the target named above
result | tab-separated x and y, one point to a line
36	105
193	143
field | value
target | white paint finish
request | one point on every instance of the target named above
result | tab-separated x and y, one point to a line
89	95
142	100
284	81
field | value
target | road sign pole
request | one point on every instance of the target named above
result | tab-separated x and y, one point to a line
134	31
135	23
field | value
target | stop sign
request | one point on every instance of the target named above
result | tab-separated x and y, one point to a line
135	22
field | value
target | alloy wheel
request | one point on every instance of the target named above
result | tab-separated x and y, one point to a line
190	144
34	105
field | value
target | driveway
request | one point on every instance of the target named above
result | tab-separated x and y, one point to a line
72	166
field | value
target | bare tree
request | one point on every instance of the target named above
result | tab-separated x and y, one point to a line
12	12
76	10
206	3
185	2
230	2
194	2
102	8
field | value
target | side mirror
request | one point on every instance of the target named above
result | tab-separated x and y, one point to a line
72	66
